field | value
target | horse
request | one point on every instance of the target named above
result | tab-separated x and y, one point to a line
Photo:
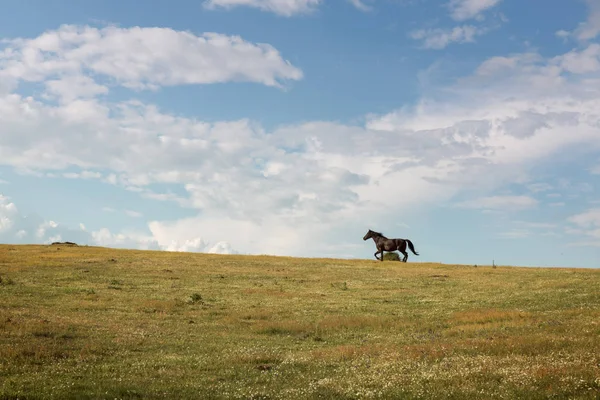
384	244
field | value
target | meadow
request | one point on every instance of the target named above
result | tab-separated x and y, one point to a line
92	323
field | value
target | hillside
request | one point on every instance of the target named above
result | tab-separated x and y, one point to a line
87	322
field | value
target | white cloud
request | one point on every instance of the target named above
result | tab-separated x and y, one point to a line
82	175
8	212
500	203
461	10
587	225
587	30
360	5
44	227
539	187
198	245
134	214
563	34
270	236
137	58
591	28
575	188
511	64
581	62
17	228
285	8
536	225
106	238
70	88
440	38
588	219
526	229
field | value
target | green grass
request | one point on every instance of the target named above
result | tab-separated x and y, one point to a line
87	323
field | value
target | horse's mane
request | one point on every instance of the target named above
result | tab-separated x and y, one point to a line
379	234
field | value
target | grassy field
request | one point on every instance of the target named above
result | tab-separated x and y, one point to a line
86	322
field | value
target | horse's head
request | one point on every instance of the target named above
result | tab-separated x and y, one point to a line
372	234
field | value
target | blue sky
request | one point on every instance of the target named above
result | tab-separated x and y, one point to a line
291	127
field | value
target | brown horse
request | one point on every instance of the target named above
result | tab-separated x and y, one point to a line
384	244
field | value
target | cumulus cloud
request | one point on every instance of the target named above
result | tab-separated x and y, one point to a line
500	203
360	5
536	225
8	213
66	59
70	88
588	219
441	38
587	30
587	225
16	228
581	62
199	244
539	187
563	34
286	8
591	27
82	175
461	10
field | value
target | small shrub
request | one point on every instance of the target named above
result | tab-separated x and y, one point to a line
195	298
115	284
6	281
342	286
391	257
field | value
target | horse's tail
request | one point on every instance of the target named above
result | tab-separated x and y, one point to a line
412	248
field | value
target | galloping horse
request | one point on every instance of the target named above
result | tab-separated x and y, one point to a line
384	244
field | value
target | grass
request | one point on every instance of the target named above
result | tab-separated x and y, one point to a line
88	323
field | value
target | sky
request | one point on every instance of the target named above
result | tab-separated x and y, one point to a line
292	127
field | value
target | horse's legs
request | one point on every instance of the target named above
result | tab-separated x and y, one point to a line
405	255
402	249
377	252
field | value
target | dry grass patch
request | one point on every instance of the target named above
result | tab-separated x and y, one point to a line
261	292
160	306
286	327
481	316
351	352
256	315
356	322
